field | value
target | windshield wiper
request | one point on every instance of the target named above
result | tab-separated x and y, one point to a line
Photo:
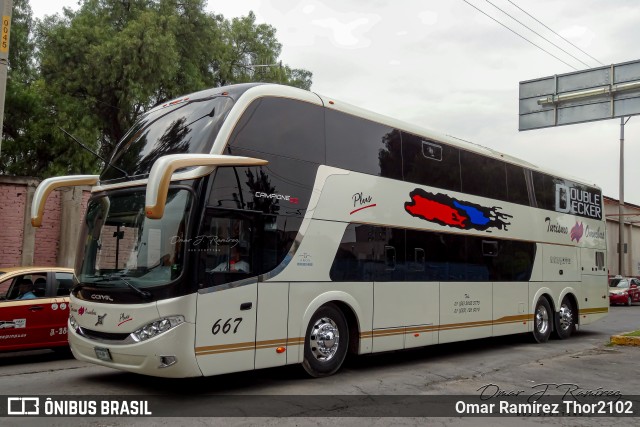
144	294
123	276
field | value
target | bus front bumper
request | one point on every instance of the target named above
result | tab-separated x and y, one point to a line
169	355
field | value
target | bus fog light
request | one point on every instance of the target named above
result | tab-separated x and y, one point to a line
166	361
156	328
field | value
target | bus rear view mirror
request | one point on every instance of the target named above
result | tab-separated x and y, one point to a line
48	185
164	167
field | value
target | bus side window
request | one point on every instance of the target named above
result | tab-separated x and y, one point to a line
224	247
517	190
600	260
418	260
430	163
390	258
362	145
266	127
354	260
494	176
489	248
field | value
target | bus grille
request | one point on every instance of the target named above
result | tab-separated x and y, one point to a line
103	336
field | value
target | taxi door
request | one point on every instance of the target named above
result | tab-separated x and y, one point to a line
25	323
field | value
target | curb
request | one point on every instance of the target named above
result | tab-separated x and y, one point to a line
625	340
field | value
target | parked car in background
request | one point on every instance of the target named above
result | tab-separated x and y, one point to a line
624	290
34	307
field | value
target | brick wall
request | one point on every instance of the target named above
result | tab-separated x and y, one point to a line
17	242
12	204
48	235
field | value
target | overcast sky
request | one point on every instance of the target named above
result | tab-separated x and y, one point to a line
446	66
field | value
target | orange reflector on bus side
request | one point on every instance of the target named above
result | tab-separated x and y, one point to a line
416	335
280	350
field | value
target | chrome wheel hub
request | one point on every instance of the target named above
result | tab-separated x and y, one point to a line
566	317
542	320
324	339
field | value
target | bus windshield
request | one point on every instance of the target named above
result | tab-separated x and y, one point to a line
125	248
190	126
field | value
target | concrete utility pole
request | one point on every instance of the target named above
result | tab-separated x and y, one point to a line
5	7
621	202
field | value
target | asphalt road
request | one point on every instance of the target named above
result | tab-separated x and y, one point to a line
507	363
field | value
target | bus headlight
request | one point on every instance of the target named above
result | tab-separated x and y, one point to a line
156	328
73	323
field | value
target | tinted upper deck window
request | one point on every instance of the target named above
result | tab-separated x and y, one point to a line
517	184
430	163
281	126
281	187
483	176
363	146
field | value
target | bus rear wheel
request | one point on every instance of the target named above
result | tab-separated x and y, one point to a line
566	319
542	320
326	341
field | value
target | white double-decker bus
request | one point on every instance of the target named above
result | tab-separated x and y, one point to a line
258	225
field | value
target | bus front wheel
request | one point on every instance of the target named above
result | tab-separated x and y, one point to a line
542	318
326	341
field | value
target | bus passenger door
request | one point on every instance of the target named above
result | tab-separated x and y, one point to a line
225	330
227	295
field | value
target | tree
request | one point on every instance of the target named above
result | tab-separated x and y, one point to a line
95	70
112	60
32	144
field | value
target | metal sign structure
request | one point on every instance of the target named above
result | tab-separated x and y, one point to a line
582	96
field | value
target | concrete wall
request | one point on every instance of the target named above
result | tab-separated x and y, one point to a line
52	244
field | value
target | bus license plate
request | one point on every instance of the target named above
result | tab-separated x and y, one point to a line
103	353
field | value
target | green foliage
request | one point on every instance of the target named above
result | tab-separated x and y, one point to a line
95	70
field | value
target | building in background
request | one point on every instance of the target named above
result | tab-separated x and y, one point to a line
631	223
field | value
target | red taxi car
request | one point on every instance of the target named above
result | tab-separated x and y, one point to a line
34	307
624	290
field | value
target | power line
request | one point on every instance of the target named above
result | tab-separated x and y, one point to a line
538	34
520	35
532	17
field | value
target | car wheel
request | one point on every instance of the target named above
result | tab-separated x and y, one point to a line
326	341
629	301
566	319
542	321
